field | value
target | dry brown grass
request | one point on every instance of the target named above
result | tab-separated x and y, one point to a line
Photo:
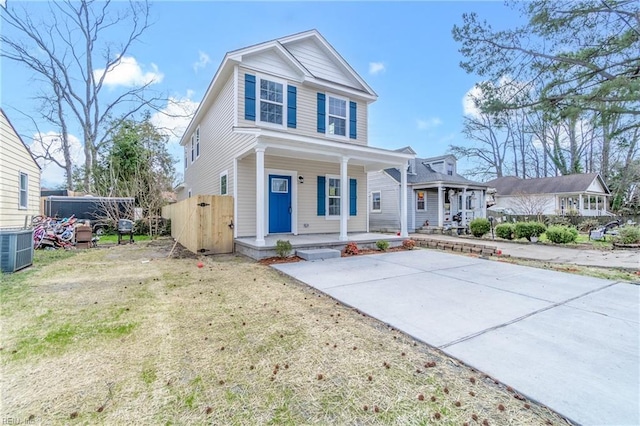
123	335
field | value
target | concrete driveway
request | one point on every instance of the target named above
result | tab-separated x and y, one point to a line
567	341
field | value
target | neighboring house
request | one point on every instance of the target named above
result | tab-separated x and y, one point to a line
583	194
19	178
283	128
435	193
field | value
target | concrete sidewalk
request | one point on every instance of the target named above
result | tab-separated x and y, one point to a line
569	342
627	259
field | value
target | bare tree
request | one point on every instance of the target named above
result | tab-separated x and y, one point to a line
530	204
71	52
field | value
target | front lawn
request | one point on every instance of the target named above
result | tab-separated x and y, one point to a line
123	334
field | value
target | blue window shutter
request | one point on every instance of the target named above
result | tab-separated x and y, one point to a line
321	113
321	196
250	97
353	111
291	106
353	197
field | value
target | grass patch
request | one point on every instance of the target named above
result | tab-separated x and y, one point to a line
160	341
113	239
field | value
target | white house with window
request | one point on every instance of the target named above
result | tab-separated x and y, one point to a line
283	128
435	194
584	194
19	178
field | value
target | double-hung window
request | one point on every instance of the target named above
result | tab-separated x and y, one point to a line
193	152
198	142
421	200
24	190
334	197
186	158
449	169
337	116
271	102
376	201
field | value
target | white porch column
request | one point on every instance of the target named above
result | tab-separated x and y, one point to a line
403	201
259	196
581	204
463	207
344	198
440	206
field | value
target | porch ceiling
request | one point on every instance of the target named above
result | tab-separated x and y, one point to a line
307	148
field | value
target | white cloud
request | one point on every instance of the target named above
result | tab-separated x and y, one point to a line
52	174
203	60
509	89
469	106
376	68
429	123
174	118
128	73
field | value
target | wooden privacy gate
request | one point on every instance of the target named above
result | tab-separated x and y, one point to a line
202	223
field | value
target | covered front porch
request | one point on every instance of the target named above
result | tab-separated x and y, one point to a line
248	247
290	185
456	205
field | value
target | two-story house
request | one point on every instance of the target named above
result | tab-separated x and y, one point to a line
19	178
283	129
438	197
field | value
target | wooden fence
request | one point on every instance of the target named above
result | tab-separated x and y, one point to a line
202	223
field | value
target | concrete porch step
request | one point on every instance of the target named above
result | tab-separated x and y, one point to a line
318	254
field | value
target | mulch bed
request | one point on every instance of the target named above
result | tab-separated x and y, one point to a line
374	251
292	259
277	259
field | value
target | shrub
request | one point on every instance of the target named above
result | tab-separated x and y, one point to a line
562	234
409	244
505	230
629	235
382	245
557	220
587	225
480	226
283	248
351	248
529	229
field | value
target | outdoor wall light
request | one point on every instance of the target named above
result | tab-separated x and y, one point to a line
300	179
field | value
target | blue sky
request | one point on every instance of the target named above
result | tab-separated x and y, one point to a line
404	50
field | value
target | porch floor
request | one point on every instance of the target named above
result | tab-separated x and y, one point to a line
248	246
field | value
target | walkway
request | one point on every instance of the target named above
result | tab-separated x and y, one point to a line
627	259
567	341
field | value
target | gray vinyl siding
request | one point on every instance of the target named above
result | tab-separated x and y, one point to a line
431	214
388	219
16	159
307	195
218	146
306	112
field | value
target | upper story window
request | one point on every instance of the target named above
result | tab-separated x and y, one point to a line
198	142
337	116
186	158
24	190
450	169
193	152
271	102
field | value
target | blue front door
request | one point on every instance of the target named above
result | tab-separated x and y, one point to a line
279	204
